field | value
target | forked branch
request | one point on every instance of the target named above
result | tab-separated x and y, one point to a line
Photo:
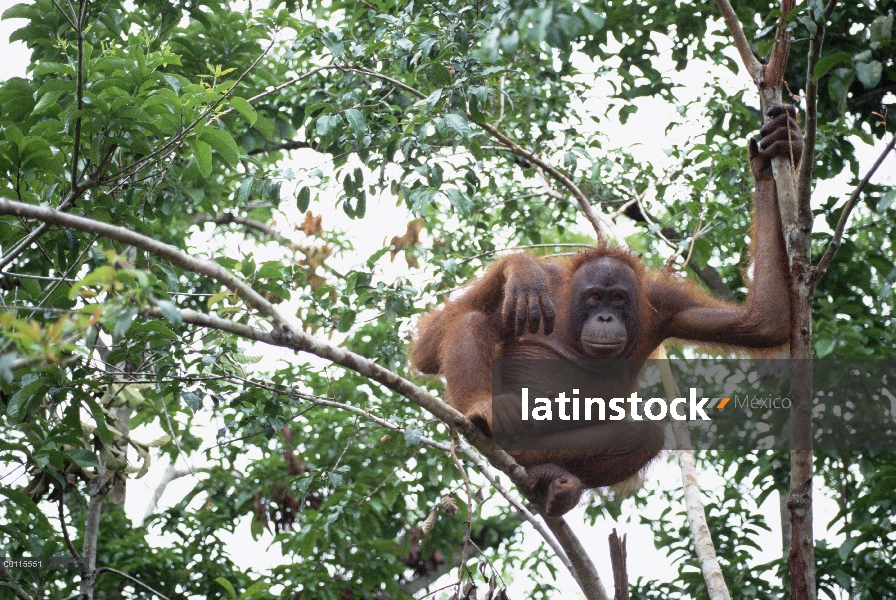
290	335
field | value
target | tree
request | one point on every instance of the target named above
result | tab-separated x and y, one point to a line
156	166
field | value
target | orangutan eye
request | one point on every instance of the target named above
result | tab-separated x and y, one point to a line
618	299
595	298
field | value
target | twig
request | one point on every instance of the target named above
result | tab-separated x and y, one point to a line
584	204
170	474
469	519
810	129
68	540
519	506
837	239
65	15
79	94
20	593
131	579
754	67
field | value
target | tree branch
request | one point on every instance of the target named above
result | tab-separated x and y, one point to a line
289	145
700	533
131	579
837	239
67	202
20	593
582	568
79	93
754	67
810	129
292	336
581	198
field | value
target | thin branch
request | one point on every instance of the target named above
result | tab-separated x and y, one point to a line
837	239
289	145
754	67
131	579
68	541
79	93
585	204
582	568
394	82
67	202
539	526
469	519
20	593
807	162
65	14
75	264
702	536
170	474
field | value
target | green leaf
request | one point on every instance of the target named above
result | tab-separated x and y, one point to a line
24	502
123	322
412	436
203	154
360	207
6	362
460	201
19	11
886	200
83	458
356	122
346	320
333	41
303	199
459	124
869	73
169	311
881	29
825	64
32	387
47	100
433	99
243	107
438	74
335	479
227	586
222	142
99	419
245	189
823	347
192	400
595	20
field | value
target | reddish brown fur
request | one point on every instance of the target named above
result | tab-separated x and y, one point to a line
460	339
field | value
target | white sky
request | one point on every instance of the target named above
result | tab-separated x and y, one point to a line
645	138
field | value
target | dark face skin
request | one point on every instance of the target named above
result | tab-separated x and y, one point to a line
604	314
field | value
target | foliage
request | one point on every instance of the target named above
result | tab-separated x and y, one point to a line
214	128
